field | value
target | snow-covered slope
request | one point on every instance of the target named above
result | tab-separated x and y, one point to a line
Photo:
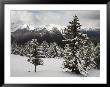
51	68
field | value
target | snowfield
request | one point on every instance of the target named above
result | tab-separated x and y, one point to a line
51	68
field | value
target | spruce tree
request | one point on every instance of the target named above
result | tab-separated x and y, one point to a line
71	34
35	55
97	56
51	51
74	51
45	46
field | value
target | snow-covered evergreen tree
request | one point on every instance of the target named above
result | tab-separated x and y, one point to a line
59	51
97	56
41	54
51	52
28	49
15	49
45	47
77	55
86	57
35	57
54	50
68	63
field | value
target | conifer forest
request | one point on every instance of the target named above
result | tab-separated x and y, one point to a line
55	50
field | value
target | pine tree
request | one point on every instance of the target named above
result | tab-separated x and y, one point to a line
28	49
52	51
41	54
59	51
45	46
86	57
97	56
15	49
35	57
76	45
68	63
55	49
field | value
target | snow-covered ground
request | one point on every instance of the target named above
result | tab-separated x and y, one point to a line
51	68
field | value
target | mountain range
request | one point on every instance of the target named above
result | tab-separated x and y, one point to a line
49	33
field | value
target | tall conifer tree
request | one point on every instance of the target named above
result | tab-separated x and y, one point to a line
76	45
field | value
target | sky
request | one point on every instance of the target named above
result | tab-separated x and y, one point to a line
87	18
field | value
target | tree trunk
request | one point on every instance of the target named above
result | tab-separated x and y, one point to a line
76	68
35	65
35	68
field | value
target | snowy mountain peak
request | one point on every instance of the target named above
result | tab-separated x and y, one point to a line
49	27
28	26
90	28
22	26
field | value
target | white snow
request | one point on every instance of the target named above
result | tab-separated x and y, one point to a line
51	68
90	28
49	27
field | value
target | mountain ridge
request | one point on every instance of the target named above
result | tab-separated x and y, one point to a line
49	27
52	35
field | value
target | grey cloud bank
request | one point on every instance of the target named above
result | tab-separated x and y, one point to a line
87	18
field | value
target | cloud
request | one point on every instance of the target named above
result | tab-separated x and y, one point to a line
42	17
22	17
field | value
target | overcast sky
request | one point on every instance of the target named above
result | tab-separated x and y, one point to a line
87	18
